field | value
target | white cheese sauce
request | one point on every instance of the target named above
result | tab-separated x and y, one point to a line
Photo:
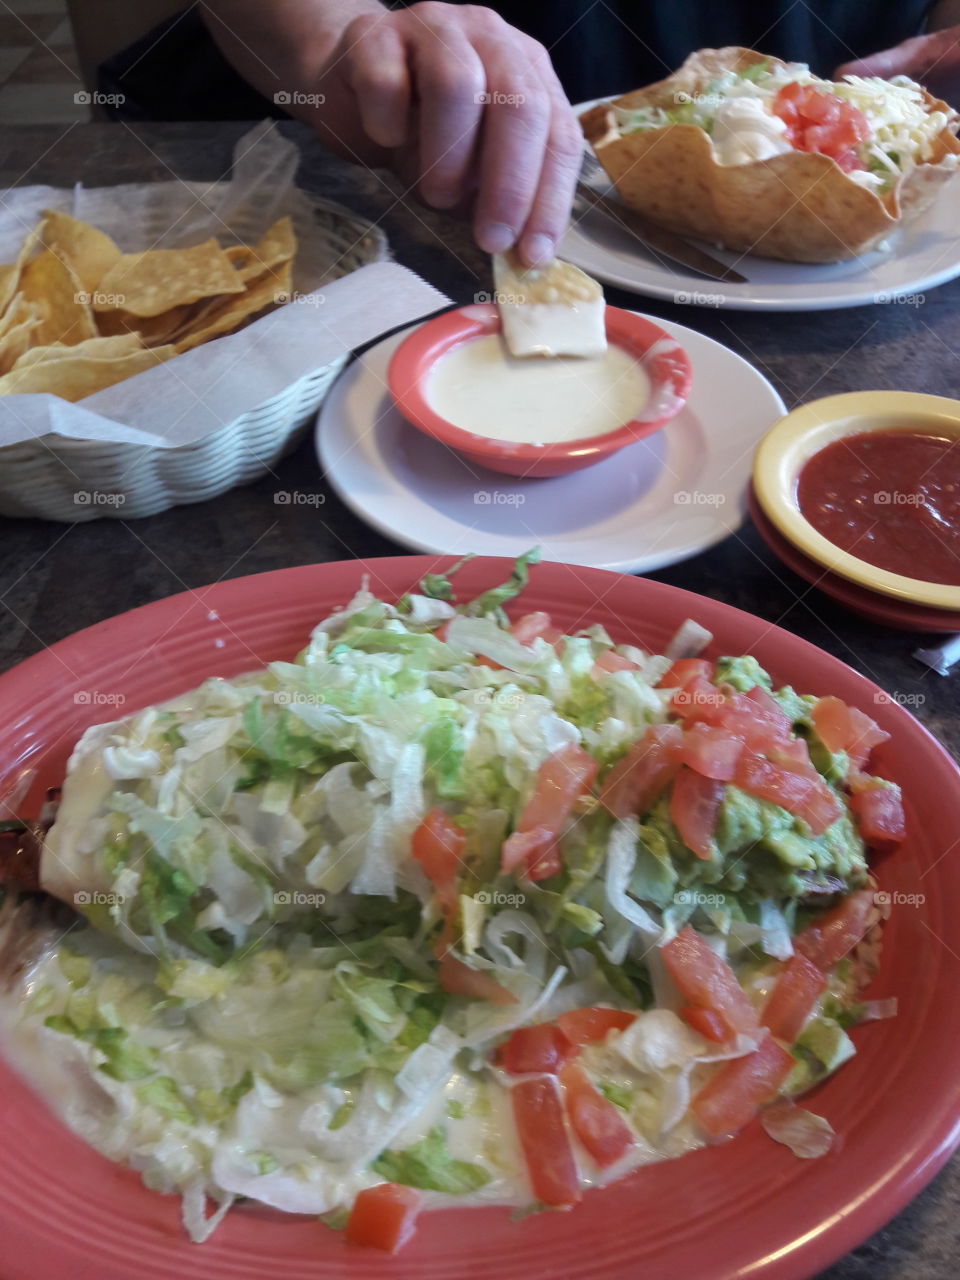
480	388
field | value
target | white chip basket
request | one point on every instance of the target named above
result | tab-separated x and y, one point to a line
58	478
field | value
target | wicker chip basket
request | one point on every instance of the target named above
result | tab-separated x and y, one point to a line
57	478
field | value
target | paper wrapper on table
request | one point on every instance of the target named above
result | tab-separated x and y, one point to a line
223	413
797	206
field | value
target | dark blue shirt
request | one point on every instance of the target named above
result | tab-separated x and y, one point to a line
598	47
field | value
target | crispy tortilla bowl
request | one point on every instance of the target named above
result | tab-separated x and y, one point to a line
797	206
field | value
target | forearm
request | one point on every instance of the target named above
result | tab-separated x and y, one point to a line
944	13
284	48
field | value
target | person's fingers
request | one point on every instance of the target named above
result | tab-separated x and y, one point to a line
558	178
913	58
375	67
516	124
451	85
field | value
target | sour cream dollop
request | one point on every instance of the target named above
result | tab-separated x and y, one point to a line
744	131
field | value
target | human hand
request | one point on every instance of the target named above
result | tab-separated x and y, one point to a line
472	108
932	59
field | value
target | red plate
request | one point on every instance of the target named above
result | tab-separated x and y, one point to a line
748	1207
886	610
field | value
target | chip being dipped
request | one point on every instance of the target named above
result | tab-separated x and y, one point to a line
553	310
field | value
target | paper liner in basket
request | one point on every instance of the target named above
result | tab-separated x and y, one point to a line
797	206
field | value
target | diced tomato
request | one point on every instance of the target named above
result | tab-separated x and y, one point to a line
843	728
458	979
705	1022
822	122
837	931
637	779
684	670
769	710
694	804
700	700
383	1217
794	756
524	849
584	1026
595	1120
610	660
808	799
547	1153
711	751
542	1048
880	817
707	982
740	1087
562	779
438	845
790	1003
865	734
534	625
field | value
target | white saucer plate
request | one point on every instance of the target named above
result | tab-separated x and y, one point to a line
654	503
921	255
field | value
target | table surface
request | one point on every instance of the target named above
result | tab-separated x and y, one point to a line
55	579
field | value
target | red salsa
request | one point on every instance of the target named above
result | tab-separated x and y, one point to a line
891	498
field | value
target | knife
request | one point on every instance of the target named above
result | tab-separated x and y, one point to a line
661	242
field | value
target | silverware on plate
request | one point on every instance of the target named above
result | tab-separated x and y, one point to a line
658	240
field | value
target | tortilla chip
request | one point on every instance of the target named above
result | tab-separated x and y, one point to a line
241	255
96	348
797	206
10	274
277	245
90	252
52	285
17	326
153	331
147	284
73	377
267	291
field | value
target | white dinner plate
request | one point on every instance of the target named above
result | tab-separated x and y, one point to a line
650	505
923	254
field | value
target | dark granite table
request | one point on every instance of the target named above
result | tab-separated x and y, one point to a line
55	579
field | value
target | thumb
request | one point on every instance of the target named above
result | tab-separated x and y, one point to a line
902	60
